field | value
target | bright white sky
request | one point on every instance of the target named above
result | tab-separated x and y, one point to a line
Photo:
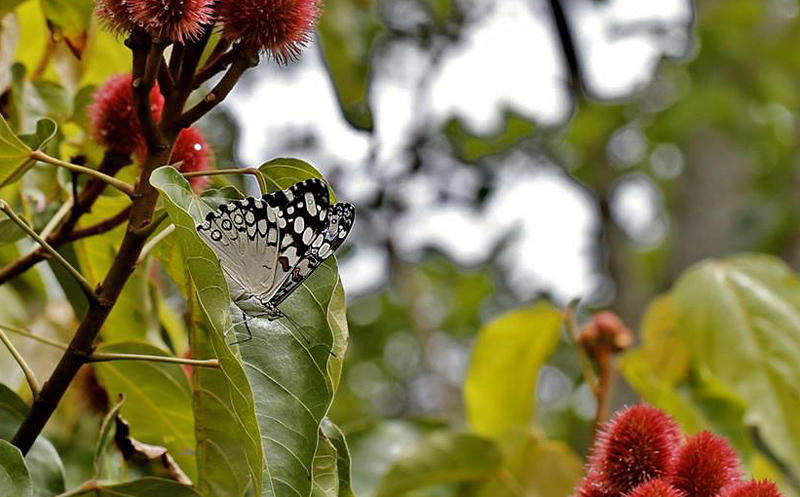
511	59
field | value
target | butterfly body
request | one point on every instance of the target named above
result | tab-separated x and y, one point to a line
268	247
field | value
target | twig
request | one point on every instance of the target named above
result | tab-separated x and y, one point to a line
165	82
150	245
262	183
87	288
102	226
56	220
218	94
32	336
116	183
30	377
213	66
572	330
86	487
44	61
147	57
202	363
144	232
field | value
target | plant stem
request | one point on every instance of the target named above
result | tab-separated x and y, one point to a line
28	334
150	245
44	61
262	183
572	331
202	363
116	183
102	226
87	288
218	94
30	377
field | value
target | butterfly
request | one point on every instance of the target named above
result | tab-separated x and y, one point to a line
268	247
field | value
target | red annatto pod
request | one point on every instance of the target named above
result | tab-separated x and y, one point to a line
605	330
638	444
114	123
752	488
592	485
192	150
705	465
116	15
656	488
172	20
281	28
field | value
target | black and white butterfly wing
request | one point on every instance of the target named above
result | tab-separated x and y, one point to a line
341	217
244	234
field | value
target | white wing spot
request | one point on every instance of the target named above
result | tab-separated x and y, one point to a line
299	224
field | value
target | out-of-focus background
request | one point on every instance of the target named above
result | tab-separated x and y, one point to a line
500	151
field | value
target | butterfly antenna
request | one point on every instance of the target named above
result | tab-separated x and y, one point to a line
305	337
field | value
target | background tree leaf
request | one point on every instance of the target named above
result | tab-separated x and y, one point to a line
741	319
107	462
146	487
44	463
14	478
337	439
70	19
512	347
159	400
14	154
441	457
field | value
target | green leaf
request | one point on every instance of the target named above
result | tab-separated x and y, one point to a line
44	463
159	400
146	487
326	474
229	455
335	436
471	147
348	30
14	477
45	132
741	320
287	363
106	461
372	460
14	154
441	457
500	388
10	231
283	172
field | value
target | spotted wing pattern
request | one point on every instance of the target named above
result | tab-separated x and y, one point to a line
267	247
244	234
341	217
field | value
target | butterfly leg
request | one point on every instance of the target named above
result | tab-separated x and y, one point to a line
246	327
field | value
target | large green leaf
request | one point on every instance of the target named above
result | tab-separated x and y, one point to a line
348	30
287	363
159	400
44	463
70	19
14	477
741	319
144	487
229	452
500	388
441	457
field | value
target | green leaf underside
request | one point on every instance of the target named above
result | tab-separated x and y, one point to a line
441	457
335	436
514	346
159	400
741	320
326	474
14	477
291	371
46	469
229	454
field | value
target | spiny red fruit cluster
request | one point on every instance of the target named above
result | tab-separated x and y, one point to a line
114	125
280	28
641	452
113	117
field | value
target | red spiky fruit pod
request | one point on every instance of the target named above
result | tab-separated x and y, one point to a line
172	20
656	488
592	485
192	150
280	28
116	15
112	114
638	444
752	488
704	465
